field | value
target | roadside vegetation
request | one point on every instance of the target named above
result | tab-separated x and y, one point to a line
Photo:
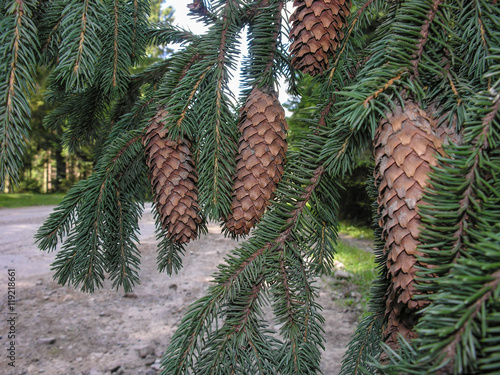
27	199
354	274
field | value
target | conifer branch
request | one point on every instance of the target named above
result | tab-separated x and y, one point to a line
191	95
365	340
263	49
183	344
424	33
486	292
53	31
115	45
87	238
382	89
18	54
441	55
481	143
277	28
76	64
244	263
75	69
135	16
354	21
199	9
165	34
247	310
61	220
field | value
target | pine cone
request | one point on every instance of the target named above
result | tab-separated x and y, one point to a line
316	33
173	179
260	159
405	147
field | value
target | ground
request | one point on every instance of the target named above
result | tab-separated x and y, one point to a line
61	331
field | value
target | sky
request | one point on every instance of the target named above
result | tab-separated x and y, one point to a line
182	19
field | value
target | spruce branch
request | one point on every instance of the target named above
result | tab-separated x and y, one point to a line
60	221
135	22
49	33
117	49
352	24
213	109
457	240
75	68
389	83
485	293
464	181
18	56
364	346
440	56
170	253
151	75
140	26
478	19
245	264
424	33
90	250
259	68
83	115
183	347
164	34
243	328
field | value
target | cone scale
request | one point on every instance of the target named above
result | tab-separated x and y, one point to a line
260	160
173	179
317	29
405	148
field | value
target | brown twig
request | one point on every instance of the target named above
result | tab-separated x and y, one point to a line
424	33
381	90
349	32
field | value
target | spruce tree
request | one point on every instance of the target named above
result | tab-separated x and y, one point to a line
415	81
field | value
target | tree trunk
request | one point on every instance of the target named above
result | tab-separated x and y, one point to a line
60	167
49	172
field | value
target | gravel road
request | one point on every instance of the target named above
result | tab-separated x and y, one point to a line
62	331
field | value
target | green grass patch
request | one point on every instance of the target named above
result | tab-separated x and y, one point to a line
356	231
27	199
360	265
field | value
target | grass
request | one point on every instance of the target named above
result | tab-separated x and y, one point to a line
28	199
356	231
361	265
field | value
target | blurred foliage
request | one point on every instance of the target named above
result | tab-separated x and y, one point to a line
302	108
361	266
27	199
355	204
356	231
45	144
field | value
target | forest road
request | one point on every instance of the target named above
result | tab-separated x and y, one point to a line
61	331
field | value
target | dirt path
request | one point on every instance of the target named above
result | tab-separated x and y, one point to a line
60	331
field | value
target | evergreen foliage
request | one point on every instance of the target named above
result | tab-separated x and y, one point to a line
442	56
19	54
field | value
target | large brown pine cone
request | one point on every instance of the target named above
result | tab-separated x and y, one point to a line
317	29
260	159
406	144
173	179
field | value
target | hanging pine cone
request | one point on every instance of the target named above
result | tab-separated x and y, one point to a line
406	144
260	159
173	179
317	29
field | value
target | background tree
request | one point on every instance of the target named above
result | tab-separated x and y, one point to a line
421	94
